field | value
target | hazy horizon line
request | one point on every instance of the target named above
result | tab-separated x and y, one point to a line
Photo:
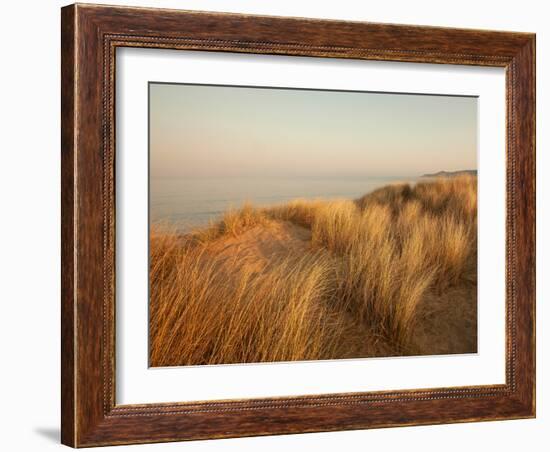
314	176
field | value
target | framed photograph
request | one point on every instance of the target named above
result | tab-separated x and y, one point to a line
282	225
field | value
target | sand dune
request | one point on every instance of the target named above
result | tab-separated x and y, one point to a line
393	273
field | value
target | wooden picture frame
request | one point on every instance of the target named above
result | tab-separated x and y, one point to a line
90	35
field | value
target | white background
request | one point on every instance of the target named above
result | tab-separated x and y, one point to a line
29	389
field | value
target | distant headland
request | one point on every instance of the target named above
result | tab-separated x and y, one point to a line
451	173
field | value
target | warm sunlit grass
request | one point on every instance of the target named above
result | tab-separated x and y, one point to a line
371	260
205	312
234	222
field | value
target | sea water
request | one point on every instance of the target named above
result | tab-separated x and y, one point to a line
191	202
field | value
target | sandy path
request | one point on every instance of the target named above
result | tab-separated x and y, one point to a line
448	322
263	244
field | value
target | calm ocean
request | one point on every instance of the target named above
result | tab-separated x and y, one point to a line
196	202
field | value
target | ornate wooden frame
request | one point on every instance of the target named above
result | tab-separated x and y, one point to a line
90	35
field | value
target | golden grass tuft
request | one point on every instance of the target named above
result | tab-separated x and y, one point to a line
234	223
203	312
298	211
371	262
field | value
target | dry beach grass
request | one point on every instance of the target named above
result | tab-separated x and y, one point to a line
392	273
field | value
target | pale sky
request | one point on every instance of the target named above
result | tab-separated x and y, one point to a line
215	131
